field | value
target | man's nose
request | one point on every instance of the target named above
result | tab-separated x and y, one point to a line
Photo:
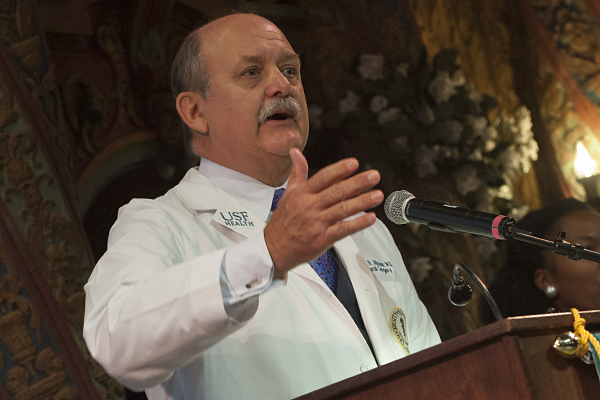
278	85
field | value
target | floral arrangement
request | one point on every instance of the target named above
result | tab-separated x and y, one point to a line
427	120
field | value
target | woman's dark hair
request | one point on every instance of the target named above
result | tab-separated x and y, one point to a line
514	289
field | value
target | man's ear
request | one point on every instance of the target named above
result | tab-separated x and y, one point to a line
542	278
190	107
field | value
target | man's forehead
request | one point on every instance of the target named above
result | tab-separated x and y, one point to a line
238	27
244	38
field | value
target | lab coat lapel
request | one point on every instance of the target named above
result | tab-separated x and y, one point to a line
201	197
373	301
306	271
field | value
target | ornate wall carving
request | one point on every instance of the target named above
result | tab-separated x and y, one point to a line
569	71
36	197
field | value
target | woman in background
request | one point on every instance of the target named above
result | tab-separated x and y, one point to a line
534	279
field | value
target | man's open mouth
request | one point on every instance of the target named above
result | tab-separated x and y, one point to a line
279	109
281	116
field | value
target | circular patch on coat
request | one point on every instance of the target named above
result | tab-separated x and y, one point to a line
398	325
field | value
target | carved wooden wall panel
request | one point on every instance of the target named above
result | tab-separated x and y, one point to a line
569	70
45	257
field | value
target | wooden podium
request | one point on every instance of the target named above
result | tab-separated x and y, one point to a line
509	359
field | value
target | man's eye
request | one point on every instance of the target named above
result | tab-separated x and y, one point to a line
251	72
289	71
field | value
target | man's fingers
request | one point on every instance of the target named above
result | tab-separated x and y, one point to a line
346	228
332	173
352	206
350	187
299	173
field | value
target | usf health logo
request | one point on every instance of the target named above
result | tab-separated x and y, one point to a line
235	218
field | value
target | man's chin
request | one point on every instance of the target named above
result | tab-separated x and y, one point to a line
280	142
284	151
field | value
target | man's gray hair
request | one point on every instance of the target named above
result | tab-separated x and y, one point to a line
189	71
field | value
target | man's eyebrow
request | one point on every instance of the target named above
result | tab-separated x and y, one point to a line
257	59
252	59
291	56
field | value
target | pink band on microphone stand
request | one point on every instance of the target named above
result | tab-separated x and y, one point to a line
495	224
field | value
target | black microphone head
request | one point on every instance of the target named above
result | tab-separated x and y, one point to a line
459	295
395	206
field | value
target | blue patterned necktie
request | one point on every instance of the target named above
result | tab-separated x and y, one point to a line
325	266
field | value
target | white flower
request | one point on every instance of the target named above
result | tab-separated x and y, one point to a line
479	124
515	159
455	130
489	132
458	79
489	136
489	145
402	69
473	94
519	212
371	66
426	116
531	149
441	88
419	269
505	192
454	153
424	160
349	104
524	125
466	179
389	115
446	152
315	112
510	159
378	103
402	144
528	151
476	155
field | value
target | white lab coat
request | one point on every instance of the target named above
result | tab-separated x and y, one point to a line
155	318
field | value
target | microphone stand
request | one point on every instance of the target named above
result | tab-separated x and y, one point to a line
559	246
460	294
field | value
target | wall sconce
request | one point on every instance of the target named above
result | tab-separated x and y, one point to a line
586	171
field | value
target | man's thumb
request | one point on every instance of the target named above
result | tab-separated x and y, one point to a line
299	168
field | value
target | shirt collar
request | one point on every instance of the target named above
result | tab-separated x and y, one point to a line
250	192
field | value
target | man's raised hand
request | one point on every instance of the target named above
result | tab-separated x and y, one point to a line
311	214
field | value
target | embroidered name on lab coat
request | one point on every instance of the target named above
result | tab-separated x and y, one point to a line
398	325
384	270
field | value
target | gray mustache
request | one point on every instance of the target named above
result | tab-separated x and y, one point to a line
279	104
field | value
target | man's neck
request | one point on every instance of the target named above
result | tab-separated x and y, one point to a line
271	174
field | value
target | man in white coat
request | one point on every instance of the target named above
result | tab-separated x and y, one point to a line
205	293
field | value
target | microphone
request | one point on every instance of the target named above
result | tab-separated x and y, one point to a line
402	207
460	293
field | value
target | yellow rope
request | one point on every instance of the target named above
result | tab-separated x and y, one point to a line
584	335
